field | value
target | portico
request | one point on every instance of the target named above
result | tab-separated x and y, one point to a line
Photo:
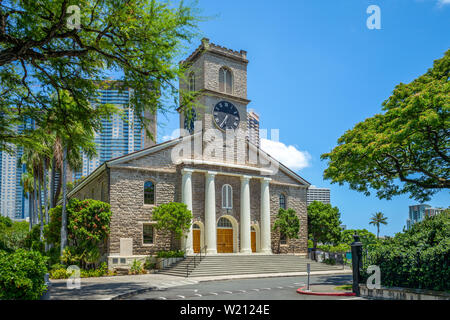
211	221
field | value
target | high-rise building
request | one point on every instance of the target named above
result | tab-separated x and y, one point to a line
253	127
318	194
121	134
418	212
12	198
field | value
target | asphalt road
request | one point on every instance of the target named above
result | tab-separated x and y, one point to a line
282	288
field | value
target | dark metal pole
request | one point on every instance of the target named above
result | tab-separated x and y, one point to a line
356	262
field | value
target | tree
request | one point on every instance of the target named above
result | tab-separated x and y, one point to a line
405	149
323	223
366	237
173	217
140	40
377	219
286	223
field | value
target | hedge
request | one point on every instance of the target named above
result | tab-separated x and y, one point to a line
22	275
417	258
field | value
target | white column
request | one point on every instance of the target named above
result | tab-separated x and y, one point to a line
245	215
265	217
186	198
210	213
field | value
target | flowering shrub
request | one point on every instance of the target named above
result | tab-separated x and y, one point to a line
87	228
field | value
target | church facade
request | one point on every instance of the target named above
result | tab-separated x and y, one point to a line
232	187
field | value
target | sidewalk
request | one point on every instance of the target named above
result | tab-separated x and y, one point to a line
108	288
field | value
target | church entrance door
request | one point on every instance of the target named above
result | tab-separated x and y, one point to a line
224	236
196	238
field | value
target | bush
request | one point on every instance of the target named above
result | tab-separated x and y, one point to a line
170	254
149	265
136	268
418	258
12	234
22	275
60	272
87	228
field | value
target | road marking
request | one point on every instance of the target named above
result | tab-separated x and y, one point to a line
198	294
354	298
182	297
265	289
243	291
280	287
300	283
255	289
228	292
216	294
162	298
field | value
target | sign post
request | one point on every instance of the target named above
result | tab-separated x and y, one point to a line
308	270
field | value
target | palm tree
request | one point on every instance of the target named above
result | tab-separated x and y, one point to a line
377	219
27	184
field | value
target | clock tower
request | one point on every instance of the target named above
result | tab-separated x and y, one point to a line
220	76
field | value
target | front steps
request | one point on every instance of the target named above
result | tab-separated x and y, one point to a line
217	265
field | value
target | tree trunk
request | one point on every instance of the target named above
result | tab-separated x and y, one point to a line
35	207
47	220
58	188
41	213
46	193
314	250
52	183
279	243
378	231
64	212
30	209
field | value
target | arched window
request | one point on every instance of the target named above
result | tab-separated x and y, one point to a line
224	223
227	197
191	81
195	226
282	201
225	80
149	193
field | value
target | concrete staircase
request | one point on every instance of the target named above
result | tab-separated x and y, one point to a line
216	265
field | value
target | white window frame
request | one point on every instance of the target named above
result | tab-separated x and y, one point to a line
227	196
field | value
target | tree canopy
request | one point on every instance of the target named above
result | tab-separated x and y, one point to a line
405	149
323	223
41	54
174	217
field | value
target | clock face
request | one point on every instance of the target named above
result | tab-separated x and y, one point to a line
189	120
226	116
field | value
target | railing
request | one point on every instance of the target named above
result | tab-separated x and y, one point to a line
163	263
198	257
334	258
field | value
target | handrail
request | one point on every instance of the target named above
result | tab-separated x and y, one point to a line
194	260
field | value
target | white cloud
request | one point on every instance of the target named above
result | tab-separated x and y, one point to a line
288	155
442	2
175	134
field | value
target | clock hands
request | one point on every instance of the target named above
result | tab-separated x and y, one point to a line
224	121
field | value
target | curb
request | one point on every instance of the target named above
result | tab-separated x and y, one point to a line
332	294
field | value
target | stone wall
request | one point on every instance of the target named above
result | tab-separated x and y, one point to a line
130	213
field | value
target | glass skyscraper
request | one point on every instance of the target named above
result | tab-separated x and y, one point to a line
12	198
121	133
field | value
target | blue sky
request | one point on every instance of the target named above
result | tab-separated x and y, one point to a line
316	70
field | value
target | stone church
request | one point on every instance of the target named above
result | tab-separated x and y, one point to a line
233	188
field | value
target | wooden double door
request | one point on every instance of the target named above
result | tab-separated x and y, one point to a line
224	240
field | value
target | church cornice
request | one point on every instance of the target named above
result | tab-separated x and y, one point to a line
206	46
222	95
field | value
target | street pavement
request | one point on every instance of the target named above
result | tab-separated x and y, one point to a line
126	287
281	288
